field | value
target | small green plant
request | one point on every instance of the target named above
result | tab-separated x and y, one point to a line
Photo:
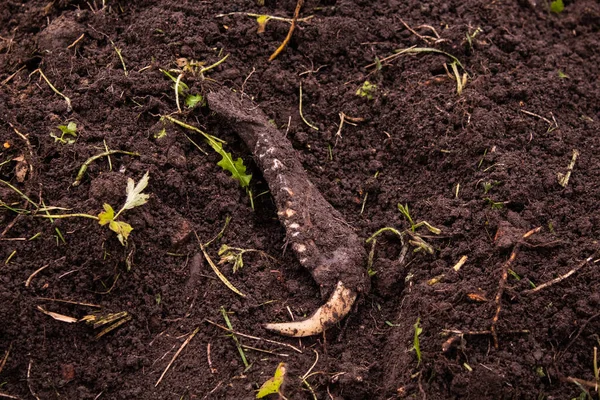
273	385
66	130
557	6
367	90
471	36
416	345
496	205
562	75
235	256
235	167
181	89
413	227
135	198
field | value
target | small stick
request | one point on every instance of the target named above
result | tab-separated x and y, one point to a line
29	382
563	179
8	396
29	147
501	285
77	303
269	17
177	354
290	32
177	83
5	358
254	337
76	41
212	370
560	278
4	82
34	274
55	90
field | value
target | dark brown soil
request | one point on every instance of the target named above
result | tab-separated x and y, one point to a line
532	96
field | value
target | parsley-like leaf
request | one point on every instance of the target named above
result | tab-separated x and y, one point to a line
237	167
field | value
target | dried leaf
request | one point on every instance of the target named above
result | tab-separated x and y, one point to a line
135	197
58	317
273	385
122	229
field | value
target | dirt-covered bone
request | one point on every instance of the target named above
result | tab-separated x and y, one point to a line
322	241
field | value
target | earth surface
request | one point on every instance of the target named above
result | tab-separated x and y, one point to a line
484	166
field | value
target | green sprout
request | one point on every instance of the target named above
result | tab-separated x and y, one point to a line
66	130
273	385
557	6
416	345
367	90
413	227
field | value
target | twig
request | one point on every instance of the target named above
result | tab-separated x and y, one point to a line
77	303
29	381
29	148
34	274
301	114
5	358
590	319
8	396
212	370
560	278
563	179
177	354
501	285
4	82
426	39
290	32
254	337
77	41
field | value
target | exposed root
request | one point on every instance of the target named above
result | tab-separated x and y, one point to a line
502	284
322	241
332	312
560	278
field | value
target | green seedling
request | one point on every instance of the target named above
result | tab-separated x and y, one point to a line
471	36
367	90
235	256
416	345
235	339
181	88
135	198
66	130
235	167
413	227
120	55
496	205
562	75
273	385
557	6
461	81
90	160
263	19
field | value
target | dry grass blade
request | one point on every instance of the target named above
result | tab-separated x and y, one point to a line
187	341
290	32
5	358
57	316
37	271
216	270
560	278
8	396
254	337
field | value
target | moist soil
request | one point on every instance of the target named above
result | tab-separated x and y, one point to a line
481	166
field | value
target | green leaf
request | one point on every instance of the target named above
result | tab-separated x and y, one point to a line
193	100
562	75
557	6
107	215
416	345
135	197
262	20
367	90
273	384
237	167
122	229
69	129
